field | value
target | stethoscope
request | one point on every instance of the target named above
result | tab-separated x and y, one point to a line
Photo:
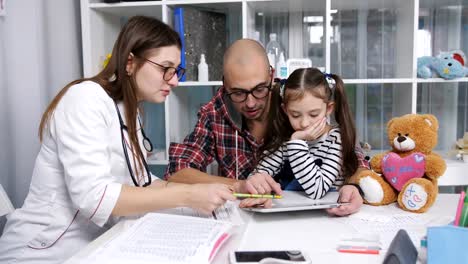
146	144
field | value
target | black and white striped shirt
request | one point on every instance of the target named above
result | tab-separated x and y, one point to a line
316	165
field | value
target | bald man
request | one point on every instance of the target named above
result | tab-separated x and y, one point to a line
231	127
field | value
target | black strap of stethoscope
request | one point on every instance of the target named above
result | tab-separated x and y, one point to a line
124	147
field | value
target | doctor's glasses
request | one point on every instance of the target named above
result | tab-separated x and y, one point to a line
169	71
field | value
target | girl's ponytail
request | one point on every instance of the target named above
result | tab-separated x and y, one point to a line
347	127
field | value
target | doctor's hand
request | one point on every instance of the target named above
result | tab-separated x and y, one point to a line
205	198
250	202
311	133
348	194
259	183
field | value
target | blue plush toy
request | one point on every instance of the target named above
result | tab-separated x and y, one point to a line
448	65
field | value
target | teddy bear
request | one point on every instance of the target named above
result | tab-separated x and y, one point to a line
409	172
448	65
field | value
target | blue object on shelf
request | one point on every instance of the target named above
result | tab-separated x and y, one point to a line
179	27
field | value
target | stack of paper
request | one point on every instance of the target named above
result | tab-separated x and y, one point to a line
166	238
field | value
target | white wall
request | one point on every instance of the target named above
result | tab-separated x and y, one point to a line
40	51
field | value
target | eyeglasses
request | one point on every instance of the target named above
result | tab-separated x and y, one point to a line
258	92
169	71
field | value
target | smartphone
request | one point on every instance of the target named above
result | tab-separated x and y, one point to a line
248	257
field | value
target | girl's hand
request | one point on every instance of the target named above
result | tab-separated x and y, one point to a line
348	194
260	183
205	198
250	202
311	133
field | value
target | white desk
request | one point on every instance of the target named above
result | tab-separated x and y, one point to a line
314	232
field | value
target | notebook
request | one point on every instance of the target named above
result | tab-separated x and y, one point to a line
299	201
165	238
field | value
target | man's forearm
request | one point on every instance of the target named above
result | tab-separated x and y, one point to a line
191	176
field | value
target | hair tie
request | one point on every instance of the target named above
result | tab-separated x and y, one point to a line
331	82
282	85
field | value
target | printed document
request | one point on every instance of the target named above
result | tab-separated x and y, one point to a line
166	238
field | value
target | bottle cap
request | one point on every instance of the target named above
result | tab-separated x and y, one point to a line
272	36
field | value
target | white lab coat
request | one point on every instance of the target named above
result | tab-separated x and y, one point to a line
76	181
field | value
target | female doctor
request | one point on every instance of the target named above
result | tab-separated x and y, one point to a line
92	161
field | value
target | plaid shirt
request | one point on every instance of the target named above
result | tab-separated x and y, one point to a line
214	138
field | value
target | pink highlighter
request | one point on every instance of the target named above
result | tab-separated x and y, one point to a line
459	208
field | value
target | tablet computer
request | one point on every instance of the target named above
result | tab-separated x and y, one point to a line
298	201
296	207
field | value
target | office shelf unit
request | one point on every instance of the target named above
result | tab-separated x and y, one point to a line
372	44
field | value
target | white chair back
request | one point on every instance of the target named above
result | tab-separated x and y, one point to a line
5	204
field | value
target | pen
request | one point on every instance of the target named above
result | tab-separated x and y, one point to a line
459	208
359	249
248	195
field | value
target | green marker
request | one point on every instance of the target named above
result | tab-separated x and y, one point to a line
248	195
464	214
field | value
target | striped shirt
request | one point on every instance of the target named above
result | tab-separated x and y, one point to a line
316	165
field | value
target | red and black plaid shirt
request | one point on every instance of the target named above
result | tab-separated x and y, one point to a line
214	138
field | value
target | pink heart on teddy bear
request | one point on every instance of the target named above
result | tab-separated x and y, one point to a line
399	170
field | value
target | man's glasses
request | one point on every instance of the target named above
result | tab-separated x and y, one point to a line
258	92
169	71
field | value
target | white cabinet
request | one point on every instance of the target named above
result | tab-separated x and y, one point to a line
372	44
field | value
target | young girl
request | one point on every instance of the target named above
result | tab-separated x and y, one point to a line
303	149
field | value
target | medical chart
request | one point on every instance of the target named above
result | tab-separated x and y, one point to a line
166	238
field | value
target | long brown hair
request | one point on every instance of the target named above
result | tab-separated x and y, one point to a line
313	81
138	36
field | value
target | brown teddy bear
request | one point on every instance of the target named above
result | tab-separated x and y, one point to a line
409	172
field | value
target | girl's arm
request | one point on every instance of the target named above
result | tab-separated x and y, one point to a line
272	163
317	169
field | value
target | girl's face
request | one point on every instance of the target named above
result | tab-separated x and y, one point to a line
306	111
152	87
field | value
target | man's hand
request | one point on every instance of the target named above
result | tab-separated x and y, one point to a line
348	194
259	183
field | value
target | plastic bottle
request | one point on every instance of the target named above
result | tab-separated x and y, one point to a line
281	67
271	58
274	47
202	69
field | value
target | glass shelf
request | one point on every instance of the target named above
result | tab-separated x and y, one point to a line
449	103
373	105
299	26
371	39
